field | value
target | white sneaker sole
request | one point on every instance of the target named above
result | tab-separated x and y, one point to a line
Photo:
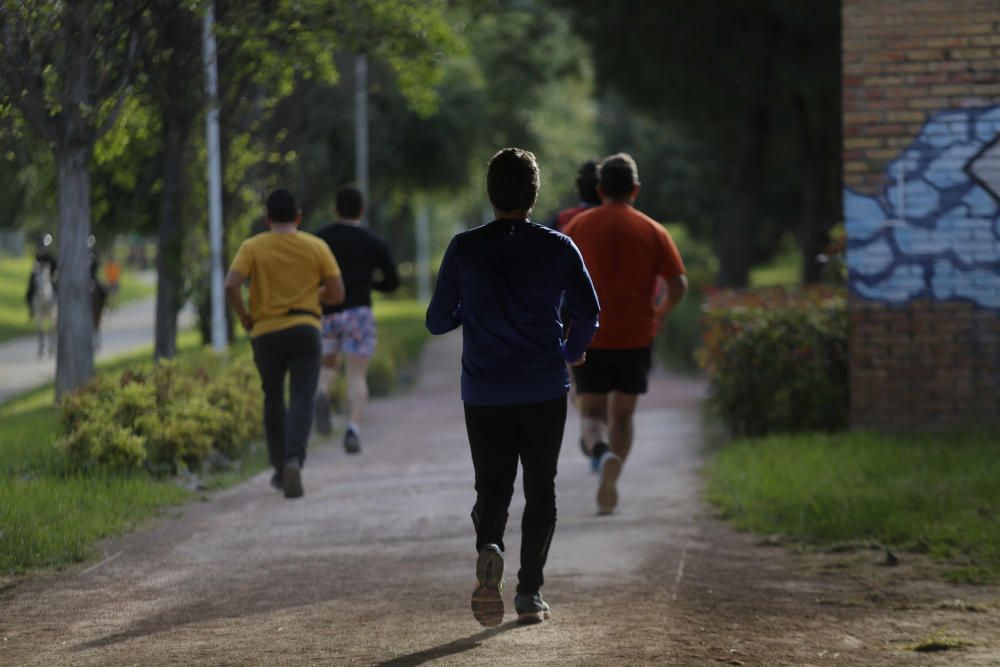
607	486
487	598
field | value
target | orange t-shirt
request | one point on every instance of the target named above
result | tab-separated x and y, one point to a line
624	251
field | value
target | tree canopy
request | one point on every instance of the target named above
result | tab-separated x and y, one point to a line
731	109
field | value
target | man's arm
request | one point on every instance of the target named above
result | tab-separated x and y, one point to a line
385	264
234	295
671	275
332	292
581	306
445	310
676	288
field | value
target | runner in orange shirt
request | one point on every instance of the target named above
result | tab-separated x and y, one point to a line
627	254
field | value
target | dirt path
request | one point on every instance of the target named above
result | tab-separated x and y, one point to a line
375	567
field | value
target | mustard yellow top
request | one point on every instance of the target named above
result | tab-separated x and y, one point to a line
285	272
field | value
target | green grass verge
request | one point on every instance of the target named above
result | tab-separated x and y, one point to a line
930	493
14	272
14	320
401	326
52	515
133	287
785	268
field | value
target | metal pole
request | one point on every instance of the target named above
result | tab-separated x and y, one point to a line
361	126
423	250
214	180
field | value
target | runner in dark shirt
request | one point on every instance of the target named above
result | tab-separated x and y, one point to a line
503	283
349	327
586	185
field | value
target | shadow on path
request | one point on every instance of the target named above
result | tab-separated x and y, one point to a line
451	648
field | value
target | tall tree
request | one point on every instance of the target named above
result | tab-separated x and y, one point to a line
65	67
174	67
745	79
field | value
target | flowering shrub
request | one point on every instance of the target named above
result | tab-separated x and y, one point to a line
777	359
164	417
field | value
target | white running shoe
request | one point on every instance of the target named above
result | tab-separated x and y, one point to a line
609	469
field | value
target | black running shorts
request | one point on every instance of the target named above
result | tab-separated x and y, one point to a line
605	371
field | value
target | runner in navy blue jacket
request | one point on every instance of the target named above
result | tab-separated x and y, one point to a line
503	283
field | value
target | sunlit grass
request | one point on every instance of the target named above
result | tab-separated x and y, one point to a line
785	268
930	493
55	520
52	515
402	321
14	316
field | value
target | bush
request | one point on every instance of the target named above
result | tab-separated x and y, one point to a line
163	417
777	359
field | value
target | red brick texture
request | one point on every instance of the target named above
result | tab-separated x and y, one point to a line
929	365
927	356
905	59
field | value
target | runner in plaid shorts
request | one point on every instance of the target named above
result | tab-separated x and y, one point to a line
349	329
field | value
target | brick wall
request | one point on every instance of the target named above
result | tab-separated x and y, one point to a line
922	210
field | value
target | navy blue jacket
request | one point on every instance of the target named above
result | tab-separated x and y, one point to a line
503	283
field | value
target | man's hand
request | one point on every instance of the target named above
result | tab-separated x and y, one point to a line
579	362
246	321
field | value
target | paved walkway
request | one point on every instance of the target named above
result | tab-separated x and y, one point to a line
375	565
124	329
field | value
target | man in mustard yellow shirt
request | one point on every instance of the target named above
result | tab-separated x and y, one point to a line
285	266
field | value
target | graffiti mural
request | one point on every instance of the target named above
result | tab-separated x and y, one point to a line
934	232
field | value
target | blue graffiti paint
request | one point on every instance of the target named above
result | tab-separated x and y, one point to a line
934	232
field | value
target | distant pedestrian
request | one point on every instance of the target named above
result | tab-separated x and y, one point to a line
41	297
349	327
503	283
98	291
628	254
586	186
285	266
112	277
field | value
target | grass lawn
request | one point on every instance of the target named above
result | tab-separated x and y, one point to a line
14	272
785	268
401	325
936	494
52	515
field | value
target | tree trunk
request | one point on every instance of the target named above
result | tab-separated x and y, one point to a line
75	328
171	244
812	228
736	239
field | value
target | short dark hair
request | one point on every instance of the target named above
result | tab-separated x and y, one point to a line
281	206
512	180
350	202
619	175
586	182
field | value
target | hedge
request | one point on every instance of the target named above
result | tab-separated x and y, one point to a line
166	417
776	359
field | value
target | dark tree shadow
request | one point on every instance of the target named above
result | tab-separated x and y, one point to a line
451	648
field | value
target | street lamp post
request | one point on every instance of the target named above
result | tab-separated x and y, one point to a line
214	180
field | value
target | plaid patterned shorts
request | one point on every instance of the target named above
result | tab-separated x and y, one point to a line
350	331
